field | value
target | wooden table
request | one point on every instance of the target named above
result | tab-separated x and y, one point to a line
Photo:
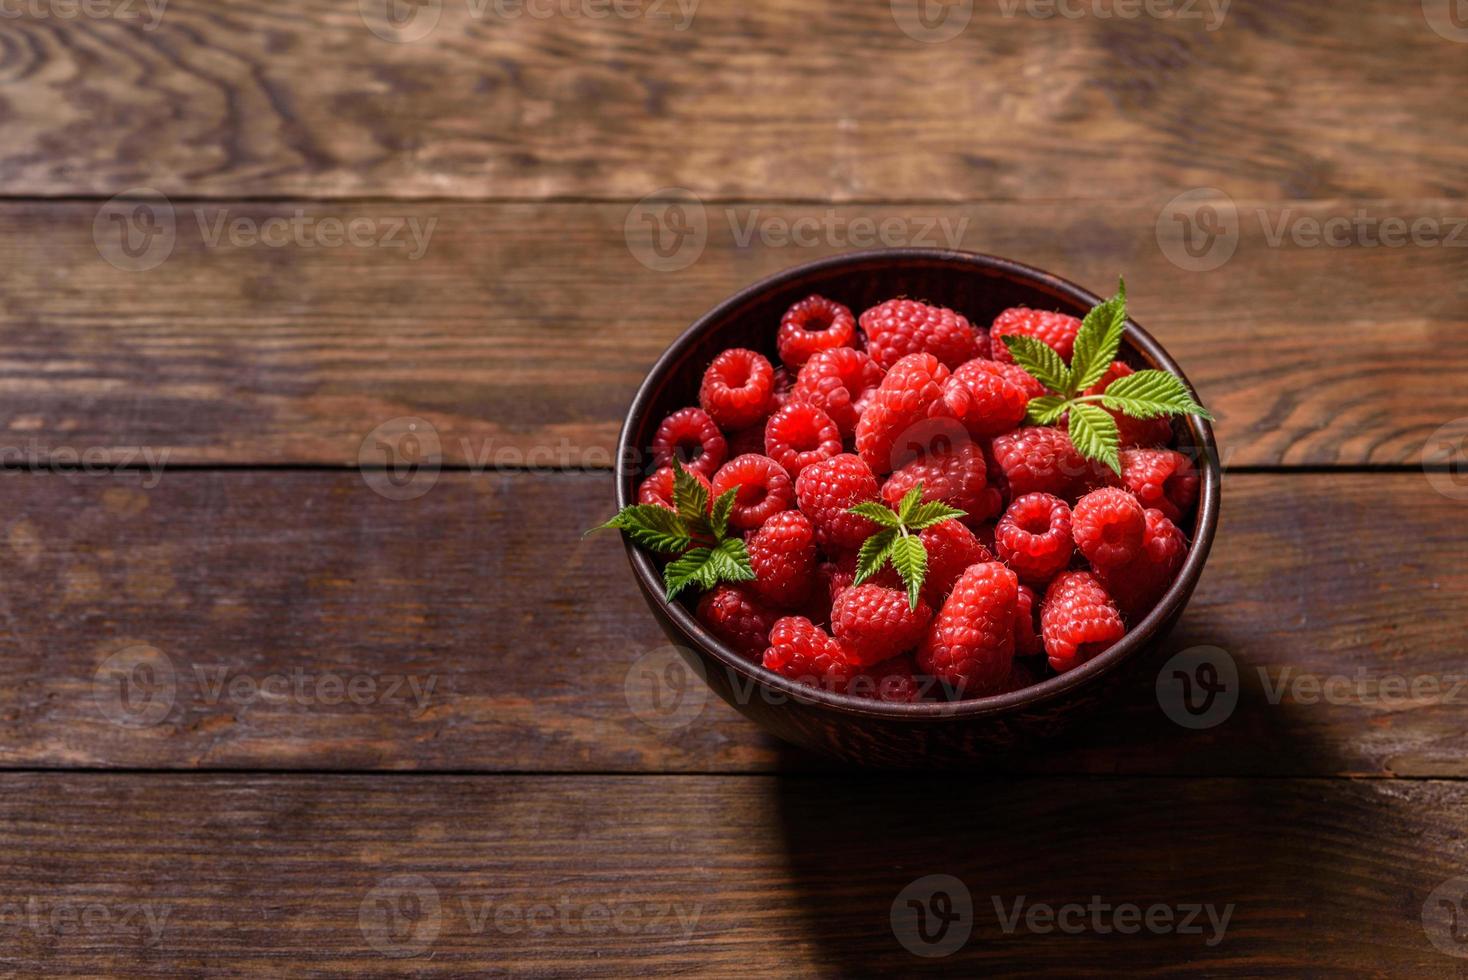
261	715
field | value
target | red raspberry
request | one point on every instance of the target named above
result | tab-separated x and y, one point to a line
738	389
956	478
970	646
839	382
736	616
1055	329
658	488
1138	584
1078	620
692	437
1133	432
1027	642
1109	526
783	555
988	397
840	574
803	652
1042	459
901	327
951	548
1161	478
1033	537
910	393
764	489
744	441
891	681
800	434
876	623
812	325
827	491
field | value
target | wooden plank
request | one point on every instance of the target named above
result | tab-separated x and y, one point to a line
308	622
310	875
522	330
769	99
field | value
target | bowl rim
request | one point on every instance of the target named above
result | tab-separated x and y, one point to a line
1136	638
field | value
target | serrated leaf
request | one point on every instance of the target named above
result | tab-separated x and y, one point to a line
1094	434
910	559
651	526
1040	360
873	553
933	512
1150	394
910	500
723	507
1045	409
685	571
691	498
879	513
1098	340
730	562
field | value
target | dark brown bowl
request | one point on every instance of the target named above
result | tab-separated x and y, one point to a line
856	729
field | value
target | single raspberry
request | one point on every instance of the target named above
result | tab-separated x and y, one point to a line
691	437
891	681
1055	329
910	393
1132	432
970	645
1027	642
812	325
1109	526
956	478
988	397
803	652
1078	620
840	382
738	389
1161	478
764	489
735	615
800	434
839	575
1042	459
783	555
658	488
1137	585
1033	537
744	441
901	327
876	623
951	549
827	491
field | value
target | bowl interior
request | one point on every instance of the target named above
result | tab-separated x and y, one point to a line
979	287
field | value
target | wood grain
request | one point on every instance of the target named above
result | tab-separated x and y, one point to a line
601	876
522	330
310	623
769	99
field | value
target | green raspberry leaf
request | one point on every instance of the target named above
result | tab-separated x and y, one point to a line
1098	340
1040	360
651	526
930	513
685	571
910	559
691	498
728	561
874	552
910	500
881	514
1046	409
1151	394
719	519
1093	432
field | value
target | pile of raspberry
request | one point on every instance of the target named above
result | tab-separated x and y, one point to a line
1056	557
